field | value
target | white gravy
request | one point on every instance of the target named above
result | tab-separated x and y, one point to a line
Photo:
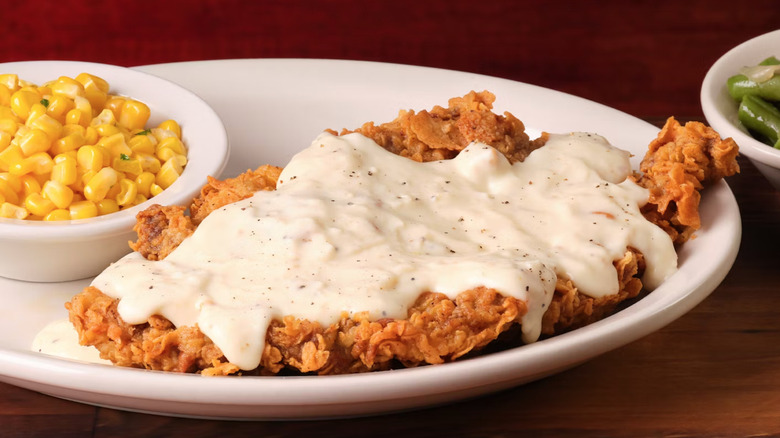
59	338
352	228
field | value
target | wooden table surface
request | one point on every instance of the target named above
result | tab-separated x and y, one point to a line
713	372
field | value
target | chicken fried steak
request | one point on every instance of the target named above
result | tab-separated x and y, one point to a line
678	164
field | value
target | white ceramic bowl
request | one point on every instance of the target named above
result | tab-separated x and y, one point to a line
70	250
721	110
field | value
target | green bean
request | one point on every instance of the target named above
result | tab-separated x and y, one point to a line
761	117
740	86
770	61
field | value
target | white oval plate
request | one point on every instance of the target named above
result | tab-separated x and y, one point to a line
271	109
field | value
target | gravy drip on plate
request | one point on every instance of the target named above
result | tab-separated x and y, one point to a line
59	338
353	228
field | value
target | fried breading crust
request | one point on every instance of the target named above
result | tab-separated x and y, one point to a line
441	133
217	193
438	329
160	230
678	164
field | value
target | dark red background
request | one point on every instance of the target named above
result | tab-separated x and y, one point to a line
653	54
714	372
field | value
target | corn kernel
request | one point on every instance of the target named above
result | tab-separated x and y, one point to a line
30	184
149	163
155	190
13	181
171	125
181	159
42	163
36	204
141	144
165	154
34	141
64	171
7	113
68	143
106	117
86	176
113	192
10	80
22	101
144	182
139	199
89	80
58	193
106	130
42	177
99	185
125	132
44	90
82	210
67	87
82	177
83	105
93	91
76	117
90	158
22	167
129	165
12	211
116	146
115	103
96	96
36	110
5	140
20	131
59	214
66	156
127	193
58	108
169	172
134	114
68	129
91	135
10	156
9	125
49	125
161	134
173	144
106	154
107	206
5	95
9	194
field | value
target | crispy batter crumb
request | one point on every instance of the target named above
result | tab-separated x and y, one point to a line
677	166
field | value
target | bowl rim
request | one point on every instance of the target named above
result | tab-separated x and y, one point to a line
714	86
207	161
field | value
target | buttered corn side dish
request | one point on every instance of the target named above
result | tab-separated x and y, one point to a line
69	149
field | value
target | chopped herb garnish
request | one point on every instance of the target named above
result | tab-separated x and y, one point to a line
124	157
45	102
144	132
